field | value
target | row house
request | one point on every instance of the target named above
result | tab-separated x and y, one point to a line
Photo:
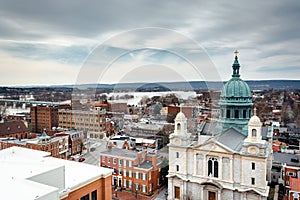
75	141
91	121
139	172
56	146
291	182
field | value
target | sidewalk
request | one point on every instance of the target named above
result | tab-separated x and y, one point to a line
129	195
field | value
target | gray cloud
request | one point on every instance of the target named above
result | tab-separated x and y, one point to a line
66	31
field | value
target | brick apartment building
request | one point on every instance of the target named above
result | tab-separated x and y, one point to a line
291	178
30	174
14	129
56	146
139	172
92	121
44	117
75	138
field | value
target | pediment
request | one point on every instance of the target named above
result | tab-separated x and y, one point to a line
215	147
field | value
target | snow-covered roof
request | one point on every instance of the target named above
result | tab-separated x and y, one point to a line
40	176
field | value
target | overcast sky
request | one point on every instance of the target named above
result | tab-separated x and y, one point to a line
60	42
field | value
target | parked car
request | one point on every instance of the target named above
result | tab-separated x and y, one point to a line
81	159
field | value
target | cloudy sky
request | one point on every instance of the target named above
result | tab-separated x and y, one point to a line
66	42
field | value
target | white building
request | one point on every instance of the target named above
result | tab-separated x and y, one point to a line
30	174
230	162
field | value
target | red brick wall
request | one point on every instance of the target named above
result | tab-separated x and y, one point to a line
102	185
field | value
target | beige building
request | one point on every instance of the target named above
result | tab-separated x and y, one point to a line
92	121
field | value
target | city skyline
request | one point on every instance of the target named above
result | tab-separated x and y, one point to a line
49	43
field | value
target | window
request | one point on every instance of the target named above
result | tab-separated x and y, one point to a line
130	163
137	175
120	171
177	154
125	174
236	114
120	162
144	188
124	162
178	126
108	160
125	181
130	183
177	168
227	113
94	195
253	132
213	167
136	186
114	160
244	113
253	181
253	166
144	177
177	192
130	174
86	197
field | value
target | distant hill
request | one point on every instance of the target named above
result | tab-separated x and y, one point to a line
175	86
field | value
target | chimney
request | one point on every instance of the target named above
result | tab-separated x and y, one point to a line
140	157
109	146
154	161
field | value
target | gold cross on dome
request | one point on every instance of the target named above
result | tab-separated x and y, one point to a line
236	52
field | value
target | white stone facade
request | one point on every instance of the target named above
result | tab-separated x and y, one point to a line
209	170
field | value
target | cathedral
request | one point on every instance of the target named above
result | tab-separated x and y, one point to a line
231	158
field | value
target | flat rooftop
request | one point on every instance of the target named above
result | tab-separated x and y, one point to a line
20	167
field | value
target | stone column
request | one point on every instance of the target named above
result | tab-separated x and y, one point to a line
231	169
201	192
220	167
204	166
195	164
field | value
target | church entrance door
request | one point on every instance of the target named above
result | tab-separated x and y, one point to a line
211	195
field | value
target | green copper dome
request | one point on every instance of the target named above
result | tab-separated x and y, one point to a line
235	102
236	87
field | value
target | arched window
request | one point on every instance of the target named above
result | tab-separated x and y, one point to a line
178	126
253	132
209	167
213	167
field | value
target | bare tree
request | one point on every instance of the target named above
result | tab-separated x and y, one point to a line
2	112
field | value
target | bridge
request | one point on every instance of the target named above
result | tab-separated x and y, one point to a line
29	102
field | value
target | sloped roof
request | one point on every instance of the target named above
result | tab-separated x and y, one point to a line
12	127
231	138
208	128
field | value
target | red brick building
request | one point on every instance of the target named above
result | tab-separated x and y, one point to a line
74	140
291	176
294	190
138	172
56	146
45	117
14	129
